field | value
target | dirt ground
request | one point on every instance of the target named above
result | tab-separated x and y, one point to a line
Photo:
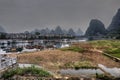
53	59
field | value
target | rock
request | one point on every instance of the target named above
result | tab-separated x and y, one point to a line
96	28
115	24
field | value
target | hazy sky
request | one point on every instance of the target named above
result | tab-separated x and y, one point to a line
22	15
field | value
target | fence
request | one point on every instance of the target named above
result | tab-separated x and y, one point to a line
7	62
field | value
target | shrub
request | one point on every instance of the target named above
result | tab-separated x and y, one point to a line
73	48
113	51
8	74
19	49
33	71
103	77
83	65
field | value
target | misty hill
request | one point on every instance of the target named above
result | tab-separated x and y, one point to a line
65	31
45	31
79	32
35	31
96	28
2	30
57	31
114	27
115	24
71	32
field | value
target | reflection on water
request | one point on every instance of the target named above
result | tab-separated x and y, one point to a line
80	72
90	72
113	71
28	65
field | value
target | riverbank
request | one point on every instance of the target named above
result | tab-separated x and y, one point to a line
83	55
57	59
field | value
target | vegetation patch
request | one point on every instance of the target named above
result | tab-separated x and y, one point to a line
111	47
103	77
113	52
31	71
74	49
105	44
80	65
116	55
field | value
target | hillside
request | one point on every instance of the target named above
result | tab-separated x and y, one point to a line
115	24
96	28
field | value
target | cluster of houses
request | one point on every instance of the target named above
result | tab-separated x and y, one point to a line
15	45
23	45
30	36
21	36
13	42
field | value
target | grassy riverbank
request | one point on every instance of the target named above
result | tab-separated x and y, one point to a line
58	59
111	47
85	55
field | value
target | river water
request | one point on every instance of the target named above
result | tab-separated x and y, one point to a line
91	72
81	72
113	71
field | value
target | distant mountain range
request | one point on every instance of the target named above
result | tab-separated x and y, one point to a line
95	28
115	24
114	27
58	31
